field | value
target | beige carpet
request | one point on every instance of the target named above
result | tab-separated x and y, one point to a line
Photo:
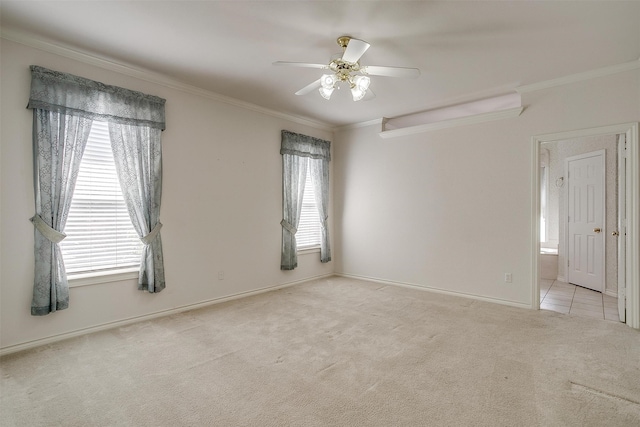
335	352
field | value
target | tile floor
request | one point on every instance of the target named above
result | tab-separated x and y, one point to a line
570	299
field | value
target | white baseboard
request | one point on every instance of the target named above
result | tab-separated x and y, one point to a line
561	279
118	323
436	290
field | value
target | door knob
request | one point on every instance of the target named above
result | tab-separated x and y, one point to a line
597	230
615	233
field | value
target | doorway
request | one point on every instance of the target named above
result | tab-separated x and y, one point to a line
628	278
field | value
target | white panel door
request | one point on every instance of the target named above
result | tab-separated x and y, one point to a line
585	176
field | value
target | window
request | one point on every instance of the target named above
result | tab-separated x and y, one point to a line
309	230
304	214
64	108
100	236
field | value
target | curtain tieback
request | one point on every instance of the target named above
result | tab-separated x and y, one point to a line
53	235
152	234
288	227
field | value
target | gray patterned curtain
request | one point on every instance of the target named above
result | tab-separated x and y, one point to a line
294	171
320	178
58	145
138	158
297	152
64	107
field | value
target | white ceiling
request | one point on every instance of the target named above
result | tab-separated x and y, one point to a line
465	50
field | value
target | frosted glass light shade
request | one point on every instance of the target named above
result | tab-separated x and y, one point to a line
360	86
362	82
328	81
326	92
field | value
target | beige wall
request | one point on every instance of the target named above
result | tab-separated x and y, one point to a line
451	209
558	152
221	205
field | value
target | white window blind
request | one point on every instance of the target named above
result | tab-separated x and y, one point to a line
309	230
100	235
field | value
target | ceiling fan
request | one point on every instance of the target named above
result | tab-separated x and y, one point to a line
346	68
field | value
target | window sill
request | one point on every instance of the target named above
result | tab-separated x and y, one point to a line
97	278
308	250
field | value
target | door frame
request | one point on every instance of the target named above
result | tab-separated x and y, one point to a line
632	193
621	229
565	239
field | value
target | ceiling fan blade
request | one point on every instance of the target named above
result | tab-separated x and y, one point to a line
301	64
377	70
354	51
309	88
369	95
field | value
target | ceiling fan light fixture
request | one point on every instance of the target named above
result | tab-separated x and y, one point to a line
346	68
359	87
358	94
326	92
362	82
328	81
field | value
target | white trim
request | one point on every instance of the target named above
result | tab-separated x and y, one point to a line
462	121
435	290
579	77
633	227
150	76
96	278
535	224
308	250
611	293
581	133
118	323
633	211
621	227
360	124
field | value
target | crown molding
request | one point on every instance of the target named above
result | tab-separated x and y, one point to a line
579	77
149	76
359	125
462	121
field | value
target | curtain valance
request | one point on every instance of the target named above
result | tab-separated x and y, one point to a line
72	95
305	146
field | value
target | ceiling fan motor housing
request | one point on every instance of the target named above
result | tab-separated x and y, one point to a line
343	41
343	69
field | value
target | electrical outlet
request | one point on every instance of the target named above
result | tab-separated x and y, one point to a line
508	278
220	275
